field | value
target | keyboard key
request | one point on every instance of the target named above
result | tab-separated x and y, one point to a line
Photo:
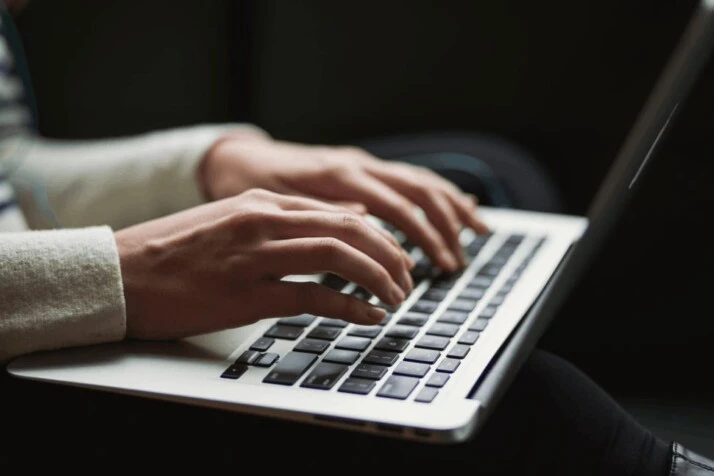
392	343
445	282
357	385
403	332
262	344
284	332
353	343
324	376
314	346
365	331
369	371
334	281
443	329
267	359
466	305
448	365
435	294
453	317
472	293
333	322
290	368
482	282
234	371
248	357
413	319
438	380
325	333
426	356
381	357
398	387
490	270
338	356
426	395
424	307
412	369
433	342
458	351
386	319
478	325
469	337
488	312
303	320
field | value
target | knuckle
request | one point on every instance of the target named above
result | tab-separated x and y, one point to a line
330	249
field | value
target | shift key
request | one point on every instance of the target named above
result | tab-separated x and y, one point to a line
290	368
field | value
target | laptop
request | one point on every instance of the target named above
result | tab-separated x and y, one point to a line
438	364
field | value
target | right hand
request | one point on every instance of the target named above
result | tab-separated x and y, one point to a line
219	265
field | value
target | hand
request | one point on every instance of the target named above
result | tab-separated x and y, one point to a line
219	265
389	190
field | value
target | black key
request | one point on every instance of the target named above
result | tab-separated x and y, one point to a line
403	332
357	385
290	368
490	270
303	320
413	319
314	346
392	343
478	325
458	351
234	371
365	331
482	282
267	359
262	344
284	332
248	357
435	294
433	342
424	307
488	312
438	380
515	239
334	281
353	343
369	371
333	322
324	376
412	369
469	337
448	365
426	356
476	244
426	395
453	317
381	357
338	356
466	305
422	270
445	282
507	286
325	333
497	300
499	259
472	293
398	387
443	329
386	319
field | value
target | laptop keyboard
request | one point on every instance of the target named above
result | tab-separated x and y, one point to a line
425	343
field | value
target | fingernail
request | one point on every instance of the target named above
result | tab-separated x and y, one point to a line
450	261
376	313
410	261
409	284
397	294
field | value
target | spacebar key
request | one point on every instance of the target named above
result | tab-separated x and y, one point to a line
290	368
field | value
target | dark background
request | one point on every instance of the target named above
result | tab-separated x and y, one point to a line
565	81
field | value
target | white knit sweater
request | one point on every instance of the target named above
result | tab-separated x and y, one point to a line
63	287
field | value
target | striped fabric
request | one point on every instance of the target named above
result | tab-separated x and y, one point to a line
15	122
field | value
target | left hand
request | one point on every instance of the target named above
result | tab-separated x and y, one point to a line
348	175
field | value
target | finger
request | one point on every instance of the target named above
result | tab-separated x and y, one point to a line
466	209
438	209
409	262
290	202
356	207
385	202
353	230
289	299
326	255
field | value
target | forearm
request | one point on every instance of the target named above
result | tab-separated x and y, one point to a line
117	182
59	289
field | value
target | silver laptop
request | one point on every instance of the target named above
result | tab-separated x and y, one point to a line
439	363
